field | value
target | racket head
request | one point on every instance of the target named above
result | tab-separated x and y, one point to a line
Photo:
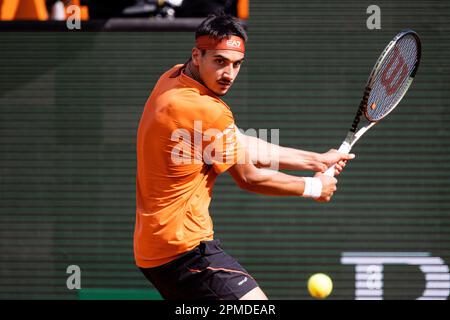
392	75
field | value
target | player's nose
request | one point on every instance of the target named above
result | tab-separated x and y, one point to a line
228	73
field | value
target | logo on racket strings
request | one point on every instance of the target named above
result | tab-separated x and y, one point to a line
394	80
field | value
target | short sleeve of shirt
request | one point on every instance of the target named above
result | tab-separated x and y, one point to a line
222	148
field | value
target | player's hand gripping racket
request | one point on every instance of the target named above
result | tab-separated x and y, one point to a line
388	82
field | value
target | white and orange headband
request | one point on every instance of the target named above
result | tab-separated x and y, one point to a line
234	43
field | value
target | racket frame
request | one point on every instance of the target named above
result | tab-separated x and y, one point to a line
353	136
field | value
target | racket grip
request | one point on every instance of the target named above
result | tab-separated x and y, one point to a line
344	148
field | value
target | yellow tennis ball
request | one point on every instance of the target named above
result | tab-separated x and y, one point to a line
320	285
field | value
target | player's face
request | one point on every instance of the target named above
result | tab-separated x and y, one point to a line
219	68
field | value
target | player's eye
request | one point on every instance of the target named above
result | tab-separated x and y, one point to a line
220	61
237	64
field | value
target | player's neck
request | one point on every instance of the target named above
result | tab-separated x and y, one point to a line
192	72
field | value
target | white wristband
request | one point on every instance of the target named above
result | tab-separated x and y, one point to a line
313	188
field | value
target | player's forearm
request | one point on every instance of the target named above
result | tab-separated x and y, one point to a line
265	154
275	183
295	159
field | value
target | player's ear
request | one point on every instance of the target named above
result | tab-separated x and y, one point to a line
196	53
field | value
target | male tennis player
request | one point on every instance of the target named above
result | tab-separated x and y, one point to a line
186	138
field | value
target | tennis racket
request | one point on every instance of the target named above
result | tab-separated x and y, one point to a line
388	82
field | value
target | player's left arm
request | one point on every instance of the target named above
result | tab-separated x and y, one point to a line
264	154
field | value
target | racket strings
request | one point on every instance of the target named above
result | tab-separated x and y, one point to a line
391	82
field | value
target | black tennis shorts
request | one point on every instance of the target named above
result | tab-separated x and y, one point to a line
204	273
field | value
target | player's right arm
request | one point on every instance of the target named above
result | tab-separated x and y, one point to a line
274	183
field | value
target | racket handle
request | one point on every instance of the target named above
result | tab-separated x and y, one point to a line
344	148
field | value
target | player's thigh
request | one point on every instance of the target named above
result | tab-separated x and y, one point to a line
254	294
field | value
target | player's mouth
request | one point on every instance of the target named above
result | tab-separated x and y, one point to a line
224	84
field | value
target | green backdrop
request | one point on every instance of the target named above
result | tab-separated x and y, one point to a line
70	103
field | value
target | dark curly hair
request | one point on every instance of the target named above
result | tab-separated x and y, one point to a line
220	26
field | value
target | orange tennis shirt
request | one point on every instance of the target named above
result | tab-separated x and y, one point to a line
186	138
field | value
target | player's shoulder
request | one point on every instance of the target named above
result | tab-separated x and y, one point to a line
197	104
195	98
169	75
186	100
